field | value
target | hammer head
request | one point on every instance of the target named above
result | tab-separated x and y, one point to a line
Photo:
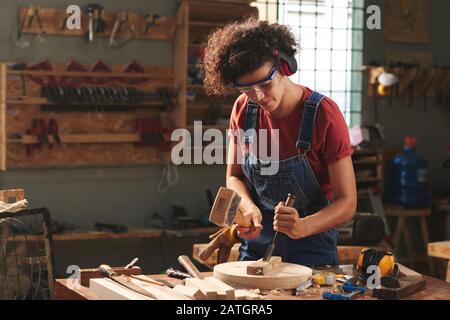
225	207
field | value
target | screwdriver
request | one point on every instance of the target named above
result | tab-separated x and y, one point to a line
289	203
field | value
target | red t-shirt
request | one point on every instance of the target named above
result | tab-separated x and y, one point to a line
330	143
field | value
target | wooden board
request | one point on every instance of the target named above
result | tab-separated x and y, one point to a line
285	276
109	290
408	286
439	249
261	267
87	274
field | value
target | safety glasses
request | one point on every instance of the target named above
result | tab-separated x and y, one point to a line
260	85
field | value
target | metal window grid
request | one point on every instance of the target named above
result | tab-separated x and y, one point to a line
330	33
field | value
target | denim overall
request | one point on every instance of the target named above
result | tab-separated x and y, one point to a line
294	176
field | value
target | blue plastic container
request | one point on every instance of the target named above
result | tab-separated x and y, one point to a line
408	178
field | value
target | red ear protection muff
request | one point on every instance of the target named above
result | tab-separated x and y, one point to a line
288	63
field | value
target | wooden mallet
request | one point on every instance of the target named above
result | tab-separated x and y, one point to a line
226	211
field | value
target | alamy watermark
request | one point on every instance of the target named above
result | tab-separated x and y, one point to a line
73	20
190	147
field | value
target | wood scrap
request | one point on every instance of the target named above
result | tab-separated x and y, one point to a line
209	291
193	293
109	290
261	267
160	293
243	294
404	271
147	280
189	266
222	288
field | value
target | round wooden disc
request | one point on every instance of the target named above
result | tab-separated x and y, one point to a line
285	276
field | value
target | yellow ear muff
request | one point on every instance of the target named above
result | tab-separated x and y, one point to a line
387	264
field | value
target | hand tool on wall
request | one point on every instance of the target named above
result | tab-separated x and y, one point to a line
122	19
135	67
99	19
90	8
125	281
31	15
290	201
150	22
53	130
43	65
100	66
189	266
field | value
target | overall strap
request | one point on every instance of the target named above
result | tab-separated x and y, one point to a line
308	120
251	121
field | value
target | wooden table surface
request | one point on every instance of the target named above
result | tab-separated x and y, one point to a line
435	290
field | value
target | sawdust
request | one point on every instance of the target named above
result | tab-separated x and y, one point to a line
277	292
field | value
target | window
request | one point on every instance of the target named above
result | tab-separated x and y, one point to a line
330	33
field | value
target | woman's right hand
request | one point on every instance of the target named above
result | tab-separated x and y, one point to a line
252	212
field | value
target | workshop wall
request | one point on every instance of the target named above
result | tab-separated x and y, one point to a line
432	128
118	195
126	195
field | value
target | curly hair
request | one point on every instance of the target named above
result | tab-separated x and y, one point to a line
240	48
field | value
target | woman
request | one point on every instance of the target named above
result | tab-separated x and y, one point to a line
256	58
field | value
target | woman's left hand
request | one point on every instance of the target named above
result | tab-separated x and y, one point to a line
288	221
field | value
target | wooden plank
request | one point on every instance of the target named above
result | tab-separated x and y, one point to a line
409	272
439	249
83	74
242	294
109	290
261	267
87	274
208	291
83	138
400	211
160	293
191	292
2	117
222	288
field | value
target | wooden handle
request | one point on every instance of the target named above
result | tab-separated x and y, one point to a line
190	267
241	220
208	251
106	271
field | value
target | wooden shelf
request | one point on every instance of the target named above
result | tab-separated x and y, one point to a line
206	24
83	74
131	234
84	138
53	20
44	101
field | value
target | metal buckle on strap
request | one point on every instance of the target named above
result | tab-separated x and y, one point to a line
311	103
301	153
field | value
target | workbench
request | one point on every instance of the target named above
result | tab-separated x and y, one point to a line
435	290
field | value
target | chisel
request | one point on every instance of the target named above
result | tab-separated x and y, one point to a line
289	203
